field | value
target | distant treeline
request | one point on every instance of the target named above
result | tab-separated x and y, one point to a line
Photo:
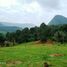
43	33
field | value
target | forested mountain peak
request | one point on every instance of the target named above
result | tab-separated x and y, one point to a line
58	20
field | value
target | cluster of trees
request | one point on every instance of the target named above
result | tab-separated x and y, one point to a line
42	33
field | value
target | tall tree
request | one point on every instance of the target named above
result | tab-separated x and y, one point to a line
34	33
60	36
43	34
2	39
25	35
18	36
10	37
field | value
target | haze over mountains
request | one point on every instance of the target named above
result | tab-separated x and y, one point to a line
5	28
22	25
11	27
58	20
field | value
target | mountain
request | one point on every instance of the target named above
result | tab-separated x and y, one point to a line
58	20
12	27
4	28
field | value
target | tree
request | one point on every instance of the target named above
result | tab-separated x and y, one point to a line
18	36
63	28
60	36
43	34
10	37
25	35
2	39
34	33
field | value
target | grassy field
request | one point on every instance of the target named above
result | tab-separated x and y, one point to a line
33	55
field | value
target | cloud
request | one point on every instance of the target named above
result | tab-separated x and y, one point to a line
20	13
33	7
54	4
7	3
31	11
25	1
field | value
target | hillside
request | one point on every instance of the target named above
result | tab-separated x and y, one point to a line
12	27
58	20
33	55
4	28
8	28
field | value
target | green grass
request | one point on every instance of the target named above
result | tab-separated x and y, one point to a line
32	55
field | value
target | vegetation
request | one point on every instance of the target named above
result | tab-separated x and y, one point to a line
33	55
58	20
43	33
32	49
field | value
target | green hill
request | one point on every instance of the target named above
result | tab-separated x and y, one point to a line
58	20
8	28
12	27
5	28
33	55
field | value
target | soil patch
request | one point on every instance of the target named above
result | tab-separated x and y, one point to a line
56	55
13	63
48	42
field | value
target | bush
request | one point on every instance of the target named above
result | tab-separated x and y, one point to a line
60	36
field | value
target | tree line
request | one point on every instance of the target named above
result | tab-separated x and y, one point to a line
43	33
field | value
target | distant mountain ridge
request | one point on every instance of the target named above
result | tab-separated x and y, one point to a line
4	28
12	27
58	20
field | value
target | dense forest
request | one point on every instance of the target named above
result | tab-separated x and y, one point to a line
43	33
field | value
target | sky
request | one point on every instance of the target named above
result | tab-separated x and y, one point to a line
31	11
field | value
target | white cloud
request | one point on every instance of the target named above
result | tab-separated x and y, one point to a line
54	4
33	7
7	3
31	11
25	1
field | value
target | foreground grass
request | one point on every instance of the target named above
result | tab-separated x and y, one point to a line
33	55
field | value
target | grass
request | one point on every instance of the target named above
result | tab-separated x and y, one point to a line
33	55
